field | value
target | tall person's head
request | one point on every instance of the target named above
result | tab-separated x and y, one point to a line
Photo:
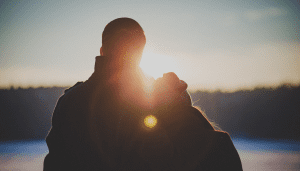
123	39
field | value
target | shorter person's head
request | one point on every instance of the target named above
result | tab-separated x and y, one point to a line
123	39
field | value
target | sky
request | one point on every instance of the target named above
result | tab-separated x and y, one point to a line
227	45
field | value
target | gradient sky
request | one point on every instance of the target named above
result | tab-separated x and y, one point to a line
209	44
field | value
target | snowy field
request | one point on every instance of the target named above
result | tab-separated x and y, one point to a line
257	155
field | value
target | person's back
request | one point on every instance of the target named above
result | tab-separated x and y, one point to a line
88	111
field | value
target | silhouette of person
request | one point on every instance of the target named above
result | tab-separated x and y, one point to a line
99	124
196	145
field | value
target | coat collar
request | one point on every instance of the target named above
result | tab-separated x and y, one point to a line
106	69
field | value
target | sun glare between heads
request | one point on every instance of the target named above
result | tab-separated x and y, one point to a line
156	65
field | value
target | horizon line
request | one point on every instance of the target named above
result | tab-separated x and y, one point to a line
258	86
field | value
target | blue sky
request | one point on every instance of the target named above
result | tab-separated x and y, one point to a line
209	44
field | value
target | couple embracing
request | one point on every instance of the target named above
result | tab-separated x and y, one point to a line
122	119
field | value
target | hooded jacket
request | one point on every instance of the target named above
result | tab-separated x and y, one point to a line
99	125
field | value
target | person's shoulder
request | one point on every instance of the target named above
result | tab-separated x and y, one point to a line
222	135
77	84
69	93
66	92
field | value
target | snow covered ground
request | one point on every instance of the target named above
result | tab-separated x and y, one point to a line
255	155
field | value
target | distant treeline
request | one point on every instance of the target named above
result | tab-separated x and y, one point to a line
258	113
27	113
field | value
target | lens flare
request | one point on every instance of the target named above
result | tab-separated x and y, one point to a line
150	121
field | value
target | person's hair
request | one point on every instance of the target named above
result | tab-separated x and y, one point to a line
123	36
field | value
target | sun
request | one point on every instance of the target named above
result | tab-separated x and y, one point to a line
156	65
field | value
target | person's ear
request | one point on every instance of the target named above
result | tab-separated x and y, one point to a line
101	52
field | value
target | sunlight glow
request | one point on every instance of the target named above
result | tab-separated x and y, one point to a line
150	121
156	65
